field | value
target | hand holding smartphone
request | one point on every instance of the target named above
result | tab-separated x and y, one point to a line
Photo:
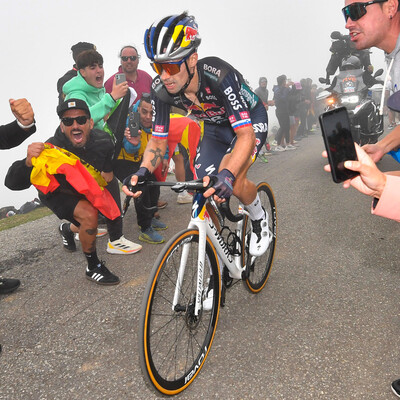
339	143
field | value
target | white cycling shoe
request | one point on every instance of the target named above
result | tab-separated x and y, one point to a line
208	299
261	236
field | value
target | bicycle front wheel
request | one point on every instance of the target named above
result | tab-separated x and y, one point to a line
259	268
174	341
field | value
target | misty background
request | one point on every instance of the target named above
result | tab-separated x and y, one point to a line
258	37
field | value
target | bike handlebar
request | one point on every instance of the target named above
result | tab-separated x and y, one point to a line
196	185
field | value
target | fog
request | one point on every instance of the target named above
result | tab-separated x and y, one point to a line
264	38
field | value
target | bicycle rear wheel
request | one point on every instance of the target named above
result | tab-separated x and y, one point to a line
259	268
174	342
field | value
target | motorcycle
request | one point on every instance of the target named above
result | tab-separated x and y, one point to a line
352	88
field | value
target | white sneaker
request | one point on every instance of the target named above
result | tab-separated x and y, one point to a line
260	238
279	148
123	246
184	198
291	147
100	233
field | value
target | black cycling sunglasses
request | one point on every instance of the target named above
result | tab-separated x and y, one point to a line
81	120
126	58
355	11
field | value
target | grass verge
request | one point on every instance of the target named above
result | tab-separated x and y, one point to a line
19	219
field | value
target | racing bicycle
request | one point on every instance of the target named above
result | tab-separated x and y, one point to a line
176	329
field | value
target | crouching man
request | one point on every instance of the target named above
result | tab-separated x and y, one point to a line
73	173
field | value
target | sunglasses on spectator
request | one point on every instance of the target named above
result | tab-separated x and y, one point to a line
81	120
355	11
171	68
126	58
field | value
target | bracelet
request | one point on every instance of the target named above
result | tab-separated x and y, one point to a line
25	126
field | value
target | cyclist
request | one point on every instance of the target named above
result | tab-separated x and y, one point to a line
235	120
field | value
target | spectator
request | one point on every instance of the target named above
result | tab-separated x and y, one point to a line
88	86
128	162
76	50
281	98
294	101
68	199
381	28
12	135
262	91
137	79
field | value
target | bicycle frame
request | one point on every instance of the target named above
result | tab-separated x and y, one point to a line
201	220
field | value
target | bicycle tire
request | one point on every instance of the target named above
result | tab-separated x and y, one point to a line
173	345
260	269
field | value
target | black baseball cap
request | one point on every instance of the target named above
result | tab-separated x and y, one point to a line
71	104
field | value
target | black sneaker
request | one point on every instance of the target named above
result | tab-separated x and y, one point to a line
8	285
101	275
396	387
67	237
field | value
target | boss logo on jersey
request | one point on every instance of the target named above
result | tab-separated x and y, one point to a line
232	119
159	128
212	70
260	127
156	82
235	103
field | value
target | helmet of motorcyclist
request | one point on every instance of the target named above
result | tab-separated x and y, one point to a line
172	38
351	62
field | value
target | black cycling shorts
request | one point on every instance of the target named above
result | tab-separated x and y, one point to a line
220	140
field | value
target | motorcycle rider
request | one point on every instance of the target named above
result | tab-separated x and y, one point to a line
341	49
213	91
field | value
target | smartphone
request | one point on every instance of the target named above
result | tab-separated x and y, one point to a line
134	123
119	78
339	143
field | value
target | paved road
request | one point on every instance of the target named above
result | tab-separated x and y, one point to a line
325	327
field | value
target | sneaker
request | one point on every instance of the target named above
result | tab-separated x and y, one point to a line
184	198
162	204
396	387
158	225
290	147
101	275
122	246
149	235
208	299
263	158
8	285
100	233
67	237
260	237
279	148
274	143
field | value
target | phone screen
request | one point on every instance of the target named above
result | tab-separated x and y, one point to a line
339	143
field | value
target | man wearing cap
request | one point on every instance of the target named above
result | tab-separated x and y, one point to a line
136	78
77	49
65	194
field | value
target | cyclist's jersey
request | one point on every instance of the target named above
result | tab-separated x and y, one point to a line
225	98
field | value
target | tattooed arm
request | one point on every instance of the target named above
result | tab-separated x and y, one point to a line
154	153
